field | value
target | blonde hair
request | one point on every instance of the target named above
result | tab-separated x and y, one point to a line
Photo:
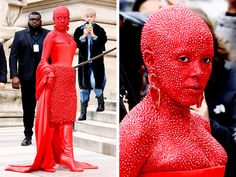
90	11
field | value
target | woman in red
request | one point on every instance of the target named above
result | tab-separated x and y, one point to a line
161	136
56	111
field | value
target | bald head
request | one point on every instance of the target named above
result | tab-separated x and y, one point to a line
61	10
61	18
177	48
175	27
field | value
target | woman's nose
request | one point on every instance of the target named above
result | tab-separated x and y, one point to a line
196	69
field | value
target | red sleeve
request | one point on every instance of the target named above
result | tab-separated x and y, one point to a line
44	70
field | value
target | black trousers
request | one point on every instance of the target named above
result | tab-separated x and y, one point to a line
28	105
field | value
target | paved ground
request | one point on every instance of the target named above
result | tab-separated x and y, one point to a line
12	153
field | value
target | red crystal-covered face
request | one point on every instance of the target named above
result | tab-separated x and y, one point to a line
61	18
183	74
180	48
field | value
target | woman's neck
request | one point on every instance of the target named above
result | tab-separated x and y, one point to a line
59	30
169	107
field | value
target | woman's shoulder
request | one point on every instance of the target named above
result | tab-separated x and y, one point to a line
139	118
95	25
50	35
79	28
98	27
134	115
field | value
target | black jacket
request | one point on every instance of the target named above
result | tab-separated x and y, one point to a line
131	59
22	52
97	65
221	100
3	65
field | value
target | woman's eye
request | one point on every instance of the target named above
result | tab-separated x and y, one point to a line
184	59
206	60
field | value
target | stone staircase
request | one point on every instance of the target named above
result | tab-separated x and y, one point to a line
98	132
10	107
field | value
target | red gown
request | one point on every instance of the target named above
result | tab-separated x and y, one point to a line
56	104
153	143
207	172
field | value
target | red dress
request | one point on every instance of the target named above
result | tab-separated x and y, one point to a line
153	143
63	99
207	172
56	104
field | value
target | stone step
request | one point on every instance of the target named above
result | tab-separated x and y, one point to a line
10	95
109	104
95	143
105	116
13	121
110	93
96	128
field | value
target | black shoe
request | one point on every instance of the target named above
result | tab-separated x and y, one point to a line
26	142
82	118
83	112
101	104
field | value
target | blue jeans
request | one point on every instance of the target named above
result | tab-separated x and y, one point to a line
85	93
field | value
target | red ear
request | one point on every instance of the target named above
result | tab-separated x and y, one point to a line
149	61
152	78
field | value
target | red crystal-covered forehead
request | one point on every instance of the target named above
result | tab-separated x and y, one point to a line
61	10
176	28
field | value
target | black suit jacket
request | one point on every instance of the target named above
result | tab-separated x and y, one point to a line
97	65
3	65
22	52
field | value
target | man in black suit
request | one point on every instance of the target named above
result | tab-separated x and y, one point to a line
24	58
3	68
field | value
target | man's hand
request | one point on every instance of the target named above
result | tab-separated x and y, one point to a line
203	110
2	85
85	34
50	82
90	30
15	82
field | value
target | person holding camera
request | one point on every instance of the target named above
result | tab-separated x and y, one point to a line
91	39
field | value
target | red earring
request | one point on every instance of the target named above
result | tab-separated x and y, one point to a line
155	91
199	103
